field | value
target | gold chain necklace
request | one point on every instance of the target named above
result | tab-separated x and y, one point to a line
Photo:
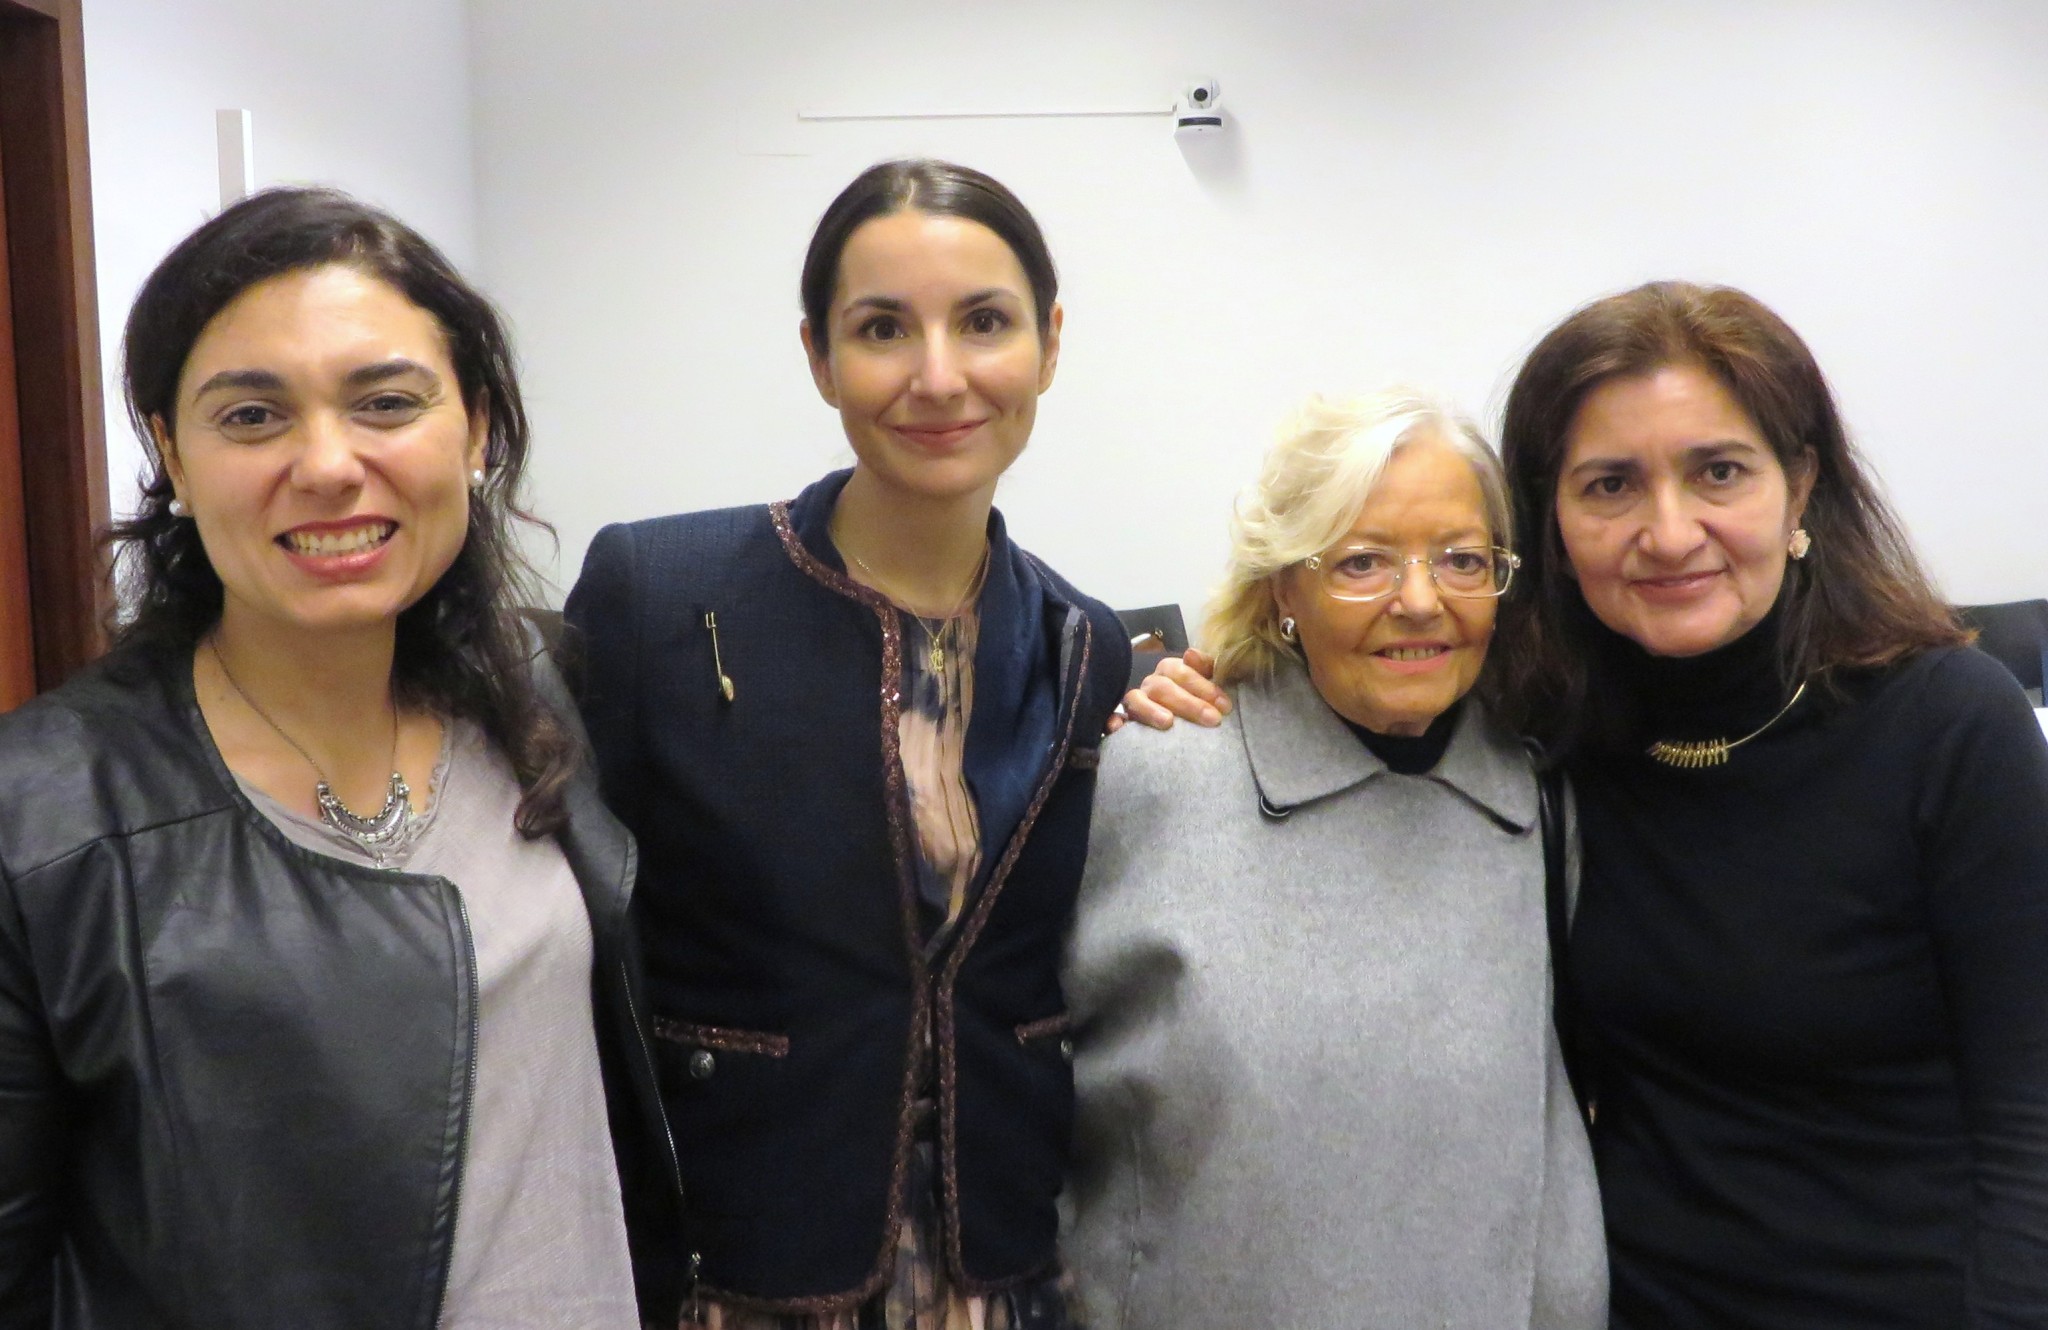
935	639
1691	754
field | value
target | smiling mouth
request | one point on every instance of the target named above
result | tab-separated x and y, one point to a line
941	433
329	544
1412	653
1682	589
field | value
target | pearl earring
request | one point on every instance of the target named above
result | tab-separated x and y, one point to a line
1287	629
476	477
1799	544
177	507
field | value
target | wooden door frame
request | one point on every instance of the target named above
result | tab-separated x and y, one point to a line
56	328
17	620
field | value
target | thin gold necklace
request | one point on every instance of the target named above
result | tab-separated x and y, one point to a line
1691	754
377	833
935	639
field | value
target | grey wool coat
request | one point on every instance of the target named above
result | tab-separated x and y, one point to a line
1318	1082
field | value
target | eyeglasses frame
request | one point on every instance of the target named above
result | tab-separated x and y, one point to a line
1314	563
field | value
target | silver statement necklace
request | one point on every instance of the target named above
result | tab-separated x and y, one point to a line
935	638
377	834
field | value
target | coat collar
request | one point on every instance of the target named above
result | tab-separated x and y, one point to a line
1301	751
810	517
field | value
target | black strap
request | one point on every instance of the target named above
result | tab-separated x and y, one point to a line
1557	912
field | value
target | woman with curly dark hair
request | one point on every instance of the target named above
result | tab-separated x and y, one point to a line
317	991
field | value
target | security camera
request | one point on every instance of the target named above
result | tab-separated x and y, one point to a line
1200	110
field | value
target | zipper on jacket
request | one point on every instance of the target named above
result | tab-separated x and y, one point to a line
628	877
668	1135
468	1102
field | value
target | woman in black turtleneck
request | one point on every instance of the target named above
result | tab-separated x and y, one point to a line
1808	973
1810	959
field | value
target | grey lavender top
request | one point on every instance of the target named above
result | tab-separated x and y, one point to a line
1318	1084
540	1238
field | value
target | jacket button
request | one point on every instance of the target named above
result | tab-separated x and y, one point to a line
702	1064
1067	1049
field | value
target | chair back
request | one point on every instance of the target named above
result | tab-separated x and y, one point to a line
2015	634
1157	631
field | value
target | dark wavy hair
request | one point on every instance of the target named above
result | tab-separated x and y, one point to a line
1859	600
463	649
943	189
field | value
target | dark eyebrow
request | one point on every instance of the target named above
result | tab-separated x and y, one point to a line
264	381
1693	455
1705	452
891	305
1604	466
387	369
252	380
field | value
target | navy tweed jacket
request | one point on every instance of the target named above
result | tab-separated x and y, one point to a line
792	996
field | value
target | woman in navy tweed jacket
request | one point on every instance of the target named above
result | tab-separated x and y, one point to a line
855	735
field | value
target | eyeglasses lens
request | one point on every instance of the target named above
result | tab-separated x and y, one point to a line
1365	573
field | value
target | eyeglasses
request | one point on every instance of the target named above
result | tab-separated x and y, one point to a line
1364	572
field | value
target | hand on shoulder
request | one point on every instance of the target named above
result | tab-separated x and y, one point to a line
1180	687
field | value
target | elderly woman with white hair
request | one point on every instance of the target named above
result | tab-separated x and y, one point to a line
1319	1083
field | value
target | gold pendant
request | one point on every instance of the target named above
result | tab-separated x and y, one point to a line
937	658
1691	755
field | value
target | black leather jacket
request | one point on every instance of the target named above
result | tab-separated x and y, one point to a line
235	1074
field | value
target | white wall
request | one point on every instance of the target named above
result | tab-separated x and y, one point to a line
1410	190
1414	189
372	96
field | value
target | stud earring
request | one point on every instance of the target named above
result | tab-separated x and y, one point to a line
1287	629
476	477
1799	544
177	508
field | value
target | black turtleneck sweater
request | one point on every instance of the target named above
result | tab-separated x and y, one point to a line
1412	754
1814	984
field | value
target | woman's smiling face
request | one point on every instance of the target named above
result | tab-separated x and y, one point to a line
1674	511
1396	663
322	447
933	356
